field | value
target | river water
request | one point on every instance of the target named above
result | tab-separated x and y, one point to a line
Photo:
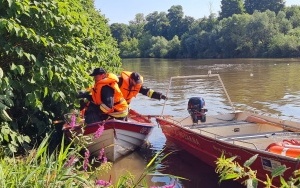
269	86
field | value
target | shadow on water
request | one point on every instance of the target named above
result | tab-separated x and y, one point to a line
182	164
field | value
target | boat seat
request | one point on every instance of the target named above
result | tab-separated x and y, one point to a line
253	136
220	124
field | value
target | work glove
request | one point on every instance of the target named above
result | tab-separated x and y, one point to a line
82	104
163	97
82	94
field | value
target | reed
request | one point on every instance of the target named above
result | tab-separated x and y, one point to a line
65	167
229	169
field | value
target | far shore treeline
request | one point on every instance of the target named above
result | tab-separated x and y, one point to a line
243	29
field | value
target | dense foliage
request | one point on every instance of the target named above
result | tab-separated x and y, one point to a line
229	169
47	48
250	28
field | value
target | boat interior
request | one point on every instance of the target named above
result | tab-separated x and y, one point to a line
243	129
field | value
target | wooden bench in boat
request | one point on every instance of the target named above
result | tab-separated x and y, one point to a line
259	141
220	124
256	135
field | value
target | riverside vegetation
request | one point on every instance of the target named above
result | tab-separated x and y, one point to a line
228	169
67	166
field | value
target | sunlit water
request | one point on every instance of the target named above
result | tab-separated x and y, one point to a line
269	86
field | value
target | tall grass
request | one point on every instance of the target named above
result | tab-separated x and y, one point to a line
65	167
62	168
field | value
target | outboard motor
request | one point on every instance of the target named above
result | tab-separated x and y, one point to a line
196	109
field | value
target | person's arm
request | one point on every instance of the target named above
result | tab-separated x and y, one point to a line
107	98
151	93
120	82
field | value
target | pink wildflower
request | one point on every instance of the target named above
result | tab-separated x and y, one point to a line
72	160
73	120
86	159
104	183
99	132
166	186
101	154
104	160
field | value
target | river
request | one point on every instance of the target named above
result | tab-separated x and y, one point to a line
269	86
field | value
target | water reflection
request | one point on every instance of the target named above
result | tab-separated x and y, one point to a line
196	173
262	85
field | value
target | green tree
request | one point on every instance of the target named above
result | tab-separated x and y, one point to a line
136	26
130	48
282	46
283	24
173	47
120	32
293	15
145	44
190	45
159	47
186	24
175	17
260	31
200	40
46	48
233	36
263	5
157	24
230	7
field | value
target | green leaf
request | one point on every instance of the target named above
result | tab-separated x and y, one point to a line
9	93
20	139
19	51
13	67
3	106
27	56
230	176
8	101
45	91
1	73
12	148
250	161
9	3
6	138
62	95
43	71
278	171
26	139
255	183
39	104
283	182
17	30
33	58
50	74
21	69
252	183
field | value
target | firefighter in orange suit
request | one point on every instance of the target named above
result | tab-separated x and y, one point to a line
106	98
130	84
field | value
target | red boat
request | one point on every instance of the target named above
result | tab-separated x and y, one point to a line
118	138
240	134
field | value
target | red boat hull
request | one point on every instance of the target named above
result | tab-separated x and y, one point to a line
208	150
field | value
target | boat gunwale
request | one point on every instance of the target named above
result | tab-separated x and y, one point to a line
231	144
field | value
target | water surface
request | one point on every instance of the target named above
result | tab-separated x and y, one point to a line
269	86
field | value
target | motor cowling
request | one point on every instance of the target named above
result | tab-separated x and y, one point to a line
196	109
